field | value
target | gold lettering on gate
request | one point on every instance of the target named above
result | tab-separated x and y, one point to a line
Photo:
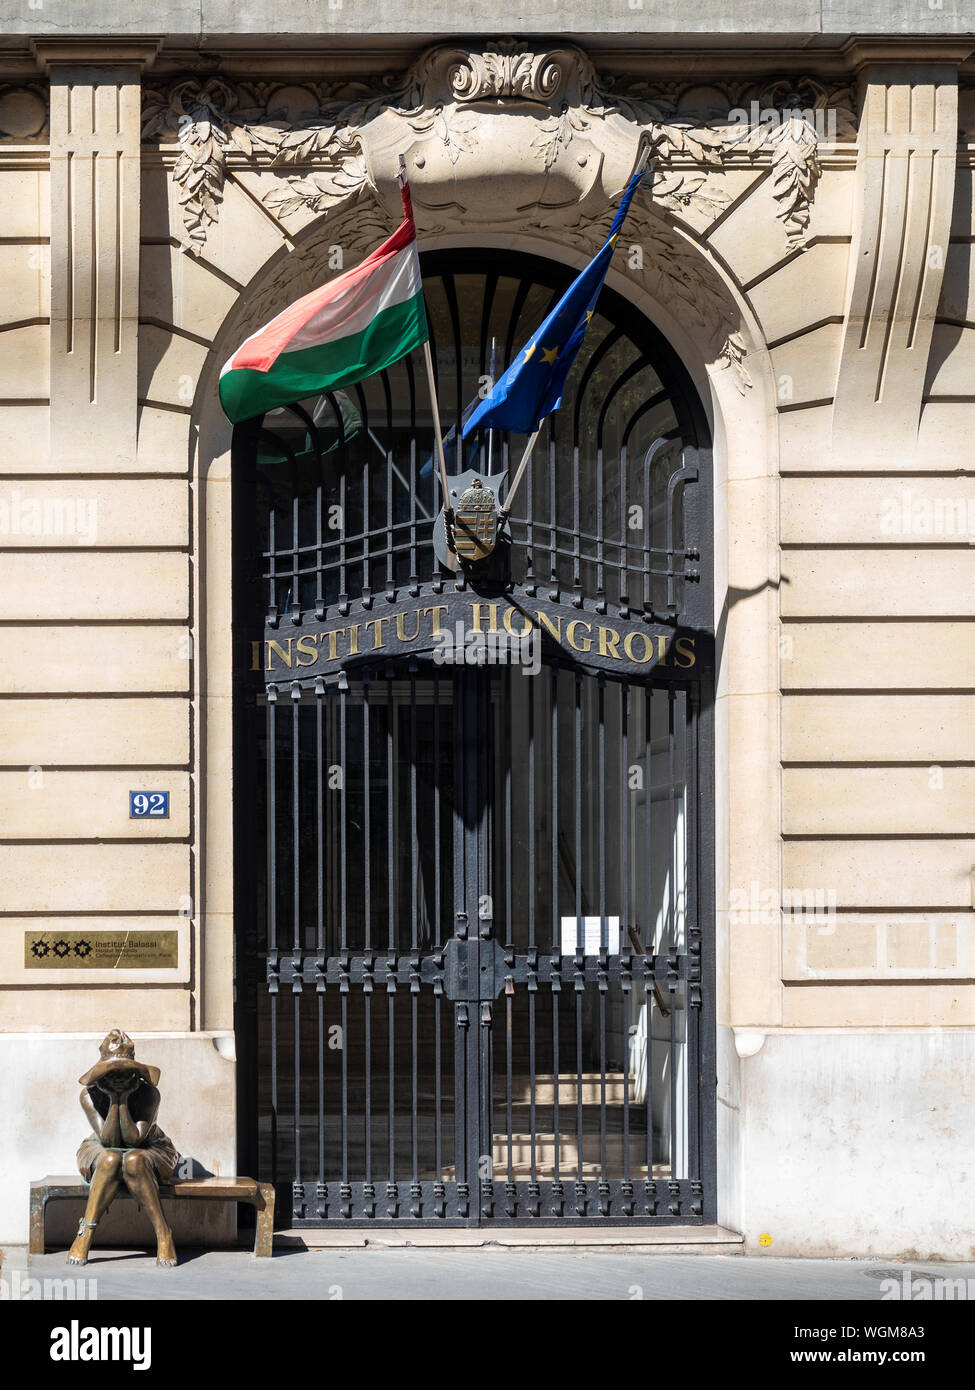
685	647
609	643
306	647
647	647
283	656
509	618
477	616
555	628
333	639
570	637
401	626
436	610
378	641
642	648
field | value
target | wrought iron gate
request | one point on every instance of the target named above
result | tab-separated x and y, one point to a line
474	954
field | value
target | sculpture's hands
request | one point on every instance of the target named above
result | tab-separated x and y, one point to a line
120	1087
116	1129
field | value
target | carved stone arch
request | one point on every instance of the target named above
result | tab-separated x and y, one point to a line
677	281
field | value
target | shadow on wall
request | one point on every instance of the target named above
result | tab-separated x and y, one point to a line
952	312
157	302
733	596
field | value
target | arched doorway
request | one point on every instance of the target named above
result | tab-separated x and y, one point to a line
475	904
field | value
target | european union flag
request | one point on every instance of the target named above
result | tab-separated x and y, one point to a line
532	386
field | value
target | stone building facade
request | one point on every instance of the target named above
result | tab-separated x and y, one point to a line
807	253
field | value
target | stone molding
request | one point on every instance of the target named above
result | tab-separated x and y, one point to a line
749	1041
94	53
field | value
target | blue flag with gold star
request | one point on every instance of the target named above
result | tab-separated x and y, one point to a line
532	386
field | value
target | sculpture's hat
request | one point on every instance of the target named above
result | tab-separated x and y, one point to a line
117	1052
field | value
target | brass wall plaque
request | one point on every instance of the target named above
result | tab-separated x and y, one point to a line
101	950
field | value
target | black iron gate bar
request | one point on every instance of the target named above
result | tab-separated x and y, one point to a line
383	969
629	556
316	1200
534	967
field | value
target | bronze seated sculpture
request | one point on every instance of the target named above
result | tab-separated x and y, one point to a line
120	1099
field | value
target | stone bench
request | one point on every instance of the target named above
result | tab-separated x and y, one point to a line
259	1195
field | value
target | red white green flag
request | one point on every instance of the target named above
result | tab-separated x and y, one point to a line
354	326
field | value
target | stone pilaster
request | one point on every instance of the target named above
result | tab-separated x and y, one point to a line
95	154
902	215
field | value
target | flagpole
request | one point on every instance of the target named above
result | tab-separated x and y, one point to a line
506	509
436	425
642	163
490	431
432	384
448	511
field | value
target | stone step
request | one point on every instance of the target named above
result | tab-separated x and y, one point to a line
521	1149
568	1088
664	1240
521	1153
520	1104
568	1083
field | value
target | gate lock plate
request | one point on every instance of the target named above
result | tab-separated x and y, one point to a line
474	969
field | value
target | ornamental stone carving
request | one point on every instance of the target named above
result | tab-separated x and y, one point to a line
510	138
501	70
550	135
23	113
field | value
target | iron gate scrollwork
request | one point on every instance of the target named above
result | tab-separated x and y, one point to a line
474	897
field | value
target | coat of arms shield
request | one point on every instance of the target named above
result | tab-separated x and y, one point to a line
476	501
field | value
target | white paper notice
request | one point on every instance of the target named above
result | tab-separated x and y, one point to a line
592	934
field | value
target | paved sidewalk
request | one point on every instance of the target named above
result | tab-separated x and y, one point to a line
441	1274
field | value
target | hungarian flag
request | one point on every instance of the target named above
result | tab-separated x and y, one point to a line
354	326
